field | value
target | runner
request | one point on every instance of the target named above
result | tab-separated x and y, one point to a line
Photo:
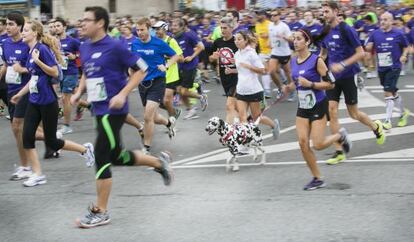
42	105
311	79
342	48
3	85
223	50
391	47
153	51
105	62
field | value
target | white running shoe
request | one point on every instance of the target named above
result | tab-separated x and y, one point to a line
89	155
21	173
191	114
171	129
35	180
65	130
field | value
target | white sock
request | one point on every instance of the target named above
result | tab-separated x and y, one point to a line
389	106
266	81
399	104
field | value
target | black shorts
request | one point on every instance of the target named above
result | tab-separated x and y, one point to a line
187	78
257	97
203	57
230	91
3	96
152	90
172	85
18	110
348	87
283	60
389	79
317	112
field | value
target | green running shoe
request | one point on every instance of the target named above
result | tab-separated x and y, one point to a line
336	158
403	118
379	133
387	125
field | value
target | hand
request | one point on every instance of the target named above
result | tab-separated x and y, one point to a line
303	82
403	59
17	67
15	99
71	56
74	99
188	59
285	90
216	55
35	55
336	68
117	102
162	68
228	70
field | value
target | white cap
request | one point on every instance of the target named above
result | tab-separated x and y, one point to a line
160	24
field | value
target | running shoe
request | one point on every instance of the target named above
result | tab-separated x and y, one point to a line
89	155
276	129
35	180
203	102
177	113
379	133
360	83
66	129
171	130
93	218
345	140
79	113
403	119
60	114
50	153
165	170
337	157
314	184
21	173
8	117
1	110
141	133
387	125
191	114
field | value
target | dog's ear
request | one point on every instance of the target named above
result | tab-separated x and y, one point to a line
221	121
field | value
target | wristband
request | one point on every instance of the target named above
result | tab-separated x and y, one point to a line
342	64
312	85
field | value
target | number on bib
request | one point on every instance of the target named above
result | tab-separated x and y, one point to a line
96	89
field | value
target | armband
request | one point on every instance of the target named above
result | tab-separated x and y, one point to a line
329	77
140	65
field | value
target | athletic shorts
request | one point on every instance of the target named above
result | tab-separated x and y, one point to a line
18	110
172	85
152	90
230	91
69	83
283	60
389	79
348	87
256	97
317	112
187	78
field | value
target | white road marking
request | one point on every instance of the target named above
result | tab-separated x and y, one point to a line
400	91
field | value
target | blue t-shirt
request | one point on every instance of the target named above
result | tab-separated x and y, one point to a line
388	46
240	28
295	26
341	48
308	70
70	45
188	41
3	38
153	53
41	90
16	52
107	60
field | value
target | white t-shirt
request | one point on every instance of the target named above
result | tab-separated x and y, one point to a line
248	81
280	46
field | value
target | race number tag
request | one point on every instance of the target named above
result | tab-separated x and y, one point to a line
384	59
12	77
65	62
96	89
33	84
307	99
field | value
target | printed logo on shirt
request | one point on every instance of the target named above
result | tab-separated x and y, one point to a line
147	52
390	38
18	52
64	45
313	30
335	36
31	60
96	55
301	72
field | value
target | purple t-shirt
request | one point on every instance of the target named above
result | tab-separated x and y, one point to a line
388	46
368	29
308	70
314	30
70	45
16	52
188	41
105	64
295	26
3	38
341	48
128	42
41	90
240	28
203	33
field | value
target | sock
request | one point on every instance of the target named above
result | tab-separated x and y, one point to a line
266	81
389	106
168	124
147	147
399	104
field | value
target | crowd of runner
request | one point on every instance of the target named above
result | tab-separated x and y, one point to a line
310	56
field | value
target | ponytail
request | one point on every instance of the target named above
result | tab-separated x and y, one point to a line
251	40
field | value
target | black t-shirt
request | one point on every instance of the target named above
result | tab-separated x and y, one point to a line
226	49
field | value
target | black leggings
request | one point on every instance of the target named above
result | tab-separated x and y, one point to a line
108	147
48	114
3	96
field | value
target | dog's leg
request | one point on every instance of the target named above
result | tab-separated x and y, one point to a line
235	164
228	163
263	160
255	152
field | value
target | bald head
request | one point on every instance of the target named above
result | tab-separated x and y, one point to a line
386	21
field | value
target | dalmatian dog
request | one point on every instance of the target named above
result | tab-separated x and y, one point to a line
236	135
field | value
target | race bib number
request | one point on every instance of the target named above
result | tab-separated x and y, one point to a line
384	59
96	89
12	77
33	84
65	62
307	99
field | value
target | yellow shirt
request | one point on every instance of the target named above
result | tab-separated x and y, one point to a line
264	43
172	74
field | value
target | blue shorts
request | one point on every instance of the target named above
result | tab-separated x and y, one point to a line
69	83
152	90
389	79
18	110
